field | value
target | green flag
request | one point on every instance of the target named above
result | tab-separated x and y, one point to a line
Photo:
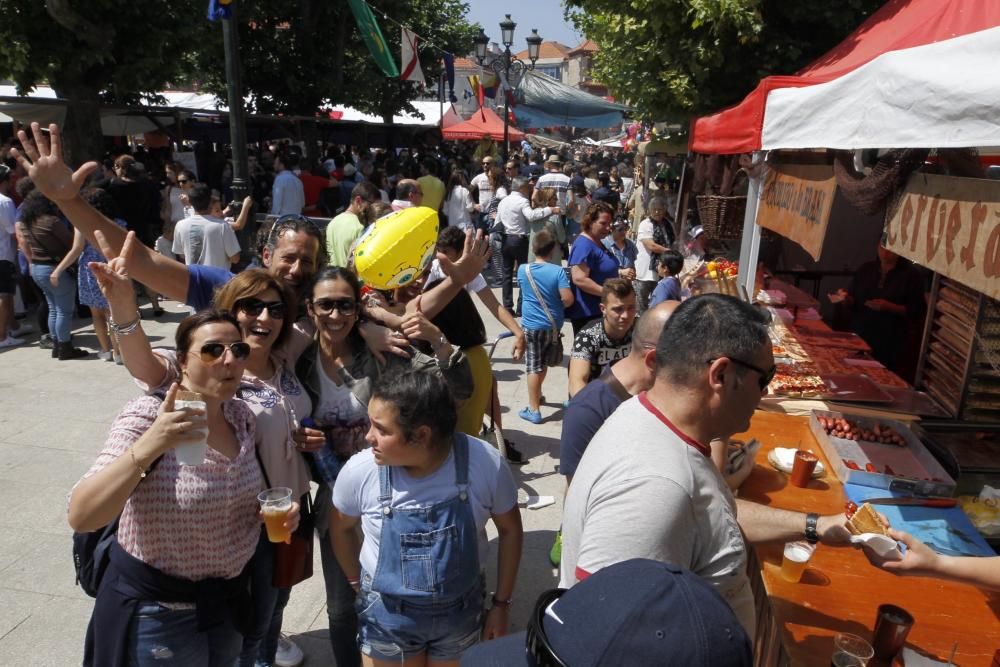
373	37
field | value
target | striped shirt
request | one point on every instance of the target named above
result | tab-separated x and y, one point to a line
193	522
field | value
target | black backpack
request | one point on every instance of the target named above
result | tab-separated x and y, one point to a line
92	551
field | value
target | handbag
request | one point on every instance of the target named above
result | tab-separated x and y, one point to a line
554	352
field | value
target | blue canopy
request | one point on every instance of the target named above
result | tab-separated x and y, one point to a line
544	102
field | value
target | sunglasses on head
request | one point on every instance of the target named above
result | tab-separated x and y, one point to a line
765	375
343	306
540	652
212	352
254	307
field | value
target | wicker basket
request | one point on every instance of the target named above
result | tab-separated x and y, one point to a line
722	217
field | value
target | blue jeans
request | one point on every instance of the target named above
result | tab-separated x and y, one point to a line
160	637
341	616
261	643
61	300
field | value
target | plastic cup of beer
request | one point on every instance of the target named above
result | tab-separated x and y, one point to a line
191	453
274	505
802	468
795	559
851	649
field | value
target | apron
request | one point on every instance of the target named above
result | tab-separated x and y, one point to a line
428	556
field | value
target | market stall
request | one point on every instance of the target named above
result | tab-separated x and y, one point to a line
483	123
873	91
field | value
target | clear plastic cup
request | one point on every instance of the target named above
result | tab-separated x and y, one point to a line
795	559
191	453
274	505
846	644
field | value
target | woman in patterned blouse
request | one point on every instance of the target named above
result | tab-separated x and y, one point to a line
177	583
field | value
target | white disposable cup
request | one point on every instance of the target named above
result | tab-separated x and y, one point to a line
192	453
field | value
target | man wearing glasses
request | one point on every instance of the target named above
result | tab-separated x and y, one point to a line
713	363
481	184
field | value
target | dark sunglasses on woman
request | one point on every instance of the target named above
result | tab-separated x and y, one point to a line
326	306
212	352
254	307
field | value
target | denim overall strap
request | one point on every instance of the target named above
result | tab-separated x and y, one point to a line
429	555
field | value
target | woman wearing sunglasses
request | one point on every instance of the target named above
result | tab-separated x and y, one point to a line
261	305
178	575
422	495
338	371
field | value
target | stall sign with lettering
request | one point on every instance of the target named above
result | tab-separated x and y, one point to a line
950	225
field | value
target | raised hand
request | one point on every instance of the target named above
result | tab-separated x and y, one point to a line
475	254
42	158
112	276
174	426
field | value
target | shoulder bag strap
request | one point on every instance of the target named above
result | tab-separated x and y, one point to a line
538	295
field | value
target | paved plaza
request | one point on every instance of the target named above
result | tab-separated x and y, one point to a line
54	417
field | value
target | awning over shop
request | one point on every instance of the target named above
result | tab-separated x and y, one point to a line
544	102
482	124
915	73
450	117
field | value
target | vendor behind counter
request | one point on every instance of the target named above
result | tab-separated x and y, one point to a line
886	298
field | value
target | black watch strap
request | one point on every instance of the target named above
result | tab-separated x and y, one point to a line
812	537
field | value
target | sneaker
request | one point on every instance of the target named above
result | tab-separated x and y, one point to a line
289	654
46	342
117	358
533	416
514	455
10	341
24	328
555	553
105	356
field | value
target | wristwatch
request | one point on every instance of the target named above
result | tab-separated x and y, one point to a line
812	537
497	602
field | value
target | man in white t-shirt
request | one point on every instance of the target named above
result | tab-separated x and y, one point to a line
713	363
205	239
653	238
481	183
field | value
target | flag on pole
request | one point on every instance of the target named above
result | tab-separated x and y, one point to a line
373	37
479	92
410	63
219	9
449	68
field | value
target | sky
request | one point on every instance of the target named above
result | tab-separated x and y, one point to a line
546	15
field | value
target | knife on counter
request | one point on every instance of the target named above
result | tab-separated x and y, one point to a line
914	501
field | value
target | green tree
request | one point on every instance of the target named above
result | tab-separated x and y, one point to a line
299	57
675	58
94	53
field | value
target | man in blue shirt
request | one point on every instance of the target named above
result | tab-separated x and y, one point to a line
288	196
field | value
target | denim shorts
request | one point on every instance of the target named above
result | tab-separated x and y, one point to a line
391	630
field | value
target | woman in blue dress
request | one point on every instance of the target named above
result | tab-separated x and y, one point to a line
90	293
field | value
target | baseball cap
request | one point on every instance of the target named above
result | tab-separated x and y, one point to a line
697	231
674	618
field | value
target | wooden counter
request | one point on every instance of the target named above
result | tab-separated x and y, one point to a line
841	590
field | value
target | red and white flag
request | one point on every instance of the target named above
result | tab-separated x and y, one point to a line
410	66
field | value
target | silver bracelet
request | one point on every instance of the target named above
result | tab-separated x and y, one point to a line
125	329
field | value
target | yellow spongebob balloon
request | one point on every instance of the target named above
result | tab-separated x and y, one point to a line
397	248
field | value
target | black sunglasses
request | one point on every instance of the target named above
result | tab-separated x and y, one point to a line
539	651
326	306
254	307
765	375
212	352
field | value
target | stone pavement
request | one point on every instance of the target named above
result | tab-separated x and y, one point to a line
54	417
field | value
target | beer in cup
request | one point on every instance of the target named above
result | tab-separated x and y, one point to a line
191	453
274	505
795	559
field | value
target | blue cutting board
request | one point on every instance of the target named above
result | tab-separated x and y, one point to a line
946	530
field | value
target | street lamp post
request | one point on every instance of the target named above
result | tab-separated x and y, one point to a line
237	121
507	67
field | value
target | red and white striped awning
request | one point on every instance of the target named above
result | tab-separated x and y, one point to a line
917	73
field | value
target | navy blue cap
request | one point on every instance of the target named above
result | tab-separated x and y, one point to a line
637	612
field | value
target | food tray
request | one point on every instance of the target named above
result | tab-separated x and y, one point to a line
963	330
947	400
856	388
959	296
916	470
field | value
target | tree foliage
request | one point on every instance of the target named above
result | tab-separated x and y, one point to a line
674	58
296	56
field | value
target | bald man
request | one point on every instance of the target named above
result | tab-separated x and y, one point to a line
592	405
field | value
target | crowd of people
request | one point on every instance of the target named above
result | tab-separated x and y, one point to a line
309	377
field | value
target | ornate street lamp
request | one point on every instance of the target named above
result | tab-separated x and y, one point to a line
507	67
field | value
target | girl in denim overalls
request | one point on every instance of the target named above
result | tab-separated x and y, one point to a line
422	494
